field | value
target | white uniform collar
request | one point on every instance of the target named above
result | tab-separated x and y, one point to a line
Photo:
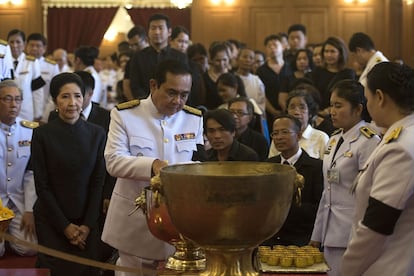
307	133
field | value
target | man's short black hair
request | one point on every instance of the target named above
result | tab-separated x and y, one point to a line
297	27
172	66
296	123
16	32
37	37
87	78
136	30
361	40
222	116
160	16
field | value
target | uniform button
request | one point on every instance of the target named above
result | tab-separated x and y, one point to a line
9	134
9	164
166	140
9	149
329	188
164	123
8	179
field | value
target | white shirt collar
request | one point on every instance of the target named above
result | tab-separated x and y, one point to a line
293	159
87	111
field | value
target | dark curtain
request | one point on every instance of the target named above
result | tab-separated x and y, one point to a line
69	28
181	17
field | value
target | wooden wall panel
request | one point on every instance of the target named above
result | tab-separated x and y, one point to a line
316	22
264	22
26	16
14	19
354	20
218	25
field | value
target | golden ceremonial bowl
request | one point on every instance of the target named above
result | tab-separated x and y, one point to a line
228	208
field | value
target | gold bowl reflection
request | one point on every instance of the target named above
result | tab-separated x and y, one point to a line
228	208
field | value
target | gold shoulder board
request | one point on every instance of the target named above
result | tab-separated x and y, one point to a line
127	105
368	132
3	42
394	135
29	124
51	61
32	58
337	131
192	110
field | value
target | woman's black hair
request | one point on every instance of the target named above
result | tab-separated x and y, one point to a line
353	92
312	105
61	79
232	80
395	80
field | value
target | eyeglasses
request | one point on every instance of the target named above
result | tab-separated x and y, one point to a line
282	133
239	113
8	99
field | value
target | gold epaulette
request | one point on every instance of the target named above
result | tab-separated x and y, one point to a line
51	61
127	105
337	131
29	124
31	58
3	42
394	135
368	132
192	110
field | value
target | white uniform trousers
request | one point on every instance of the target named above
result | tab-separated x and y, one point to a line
333	257
14	230
144	265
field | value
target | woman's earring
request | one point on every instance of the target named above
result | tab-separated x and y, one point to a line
57	110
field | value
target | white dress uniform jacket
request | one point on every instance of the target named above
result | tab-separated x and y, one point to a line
98	96
137	136
382	241
48	69
26	74
16	182
6	64
334	217
376	58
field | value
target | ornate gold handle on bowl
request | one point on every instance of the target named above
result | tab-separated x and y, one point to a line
299	184
141	202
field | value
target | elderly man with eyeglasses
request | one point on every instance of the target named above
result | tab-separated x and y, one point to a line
298	226
17	190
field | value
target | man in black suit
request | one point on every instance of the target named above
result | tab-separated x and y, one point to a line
298	226
97	115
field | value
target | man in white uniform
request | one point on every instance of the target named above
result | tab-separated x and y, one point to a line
362	46
36	46
145	136
5	61
27	76
17	189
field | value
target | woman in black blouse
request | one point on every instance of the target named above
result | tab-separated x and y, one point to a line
69	171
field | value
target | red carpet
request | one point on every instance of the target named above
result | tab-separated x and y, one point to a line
12	260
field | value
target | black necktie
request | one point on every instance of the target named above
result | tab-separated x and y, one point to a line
15	63
341	140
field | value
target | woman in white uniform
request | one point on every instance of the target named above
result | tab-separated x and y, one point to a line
348	149
382	240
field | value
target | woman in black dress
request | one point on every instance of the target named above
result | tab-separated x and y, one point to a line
69	171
